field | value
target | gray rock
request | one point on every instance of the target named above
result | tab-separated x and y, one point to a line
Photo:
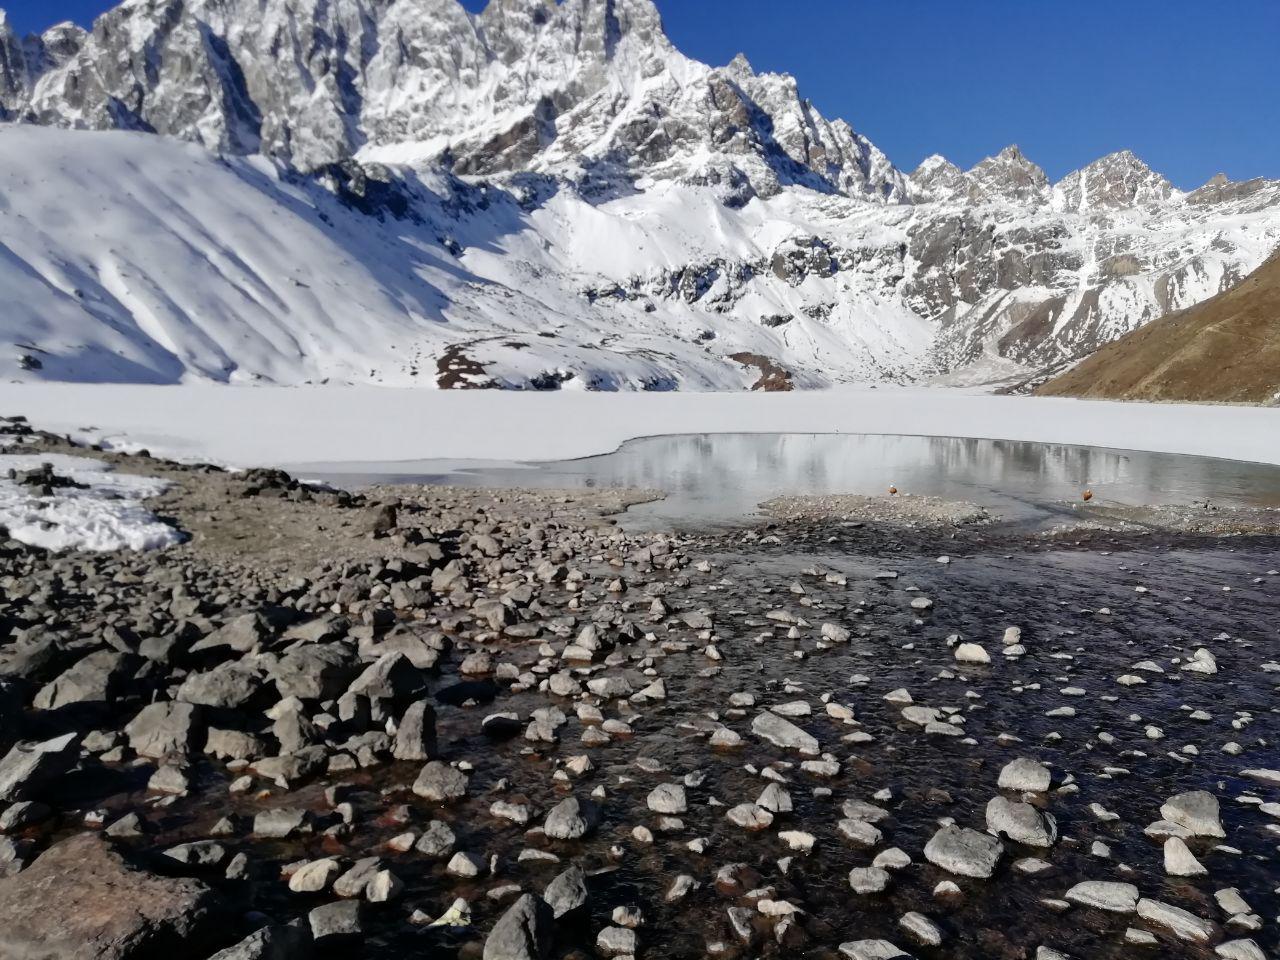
164	729
668	798
416	733
437	840
1021	823
104	908
440	783
289	942
872	950
865	880
1026	776
567	892
784	733
1105	895
27	767
243	634
335	923
227	686
279	824
392	677
95	678
318	671
571	819
1197	811
1184	925
524	932
964	852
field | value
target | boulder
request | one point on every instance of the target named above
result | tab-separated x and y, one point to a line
163	729
524	932
80	900
27	767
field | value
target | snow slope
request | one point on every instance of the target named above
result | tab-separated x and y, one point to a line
161	263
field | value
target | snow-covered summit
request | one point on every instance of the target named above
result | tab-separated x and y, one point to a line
544	194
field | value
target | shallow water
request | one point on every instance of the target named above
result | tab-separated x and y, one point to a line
723	477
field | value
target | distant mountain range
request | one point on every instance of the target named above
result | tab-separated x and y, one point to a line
544	195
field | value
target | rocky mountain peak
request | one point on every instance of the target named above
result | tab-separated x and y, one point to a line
1115	182
1008	176
937	179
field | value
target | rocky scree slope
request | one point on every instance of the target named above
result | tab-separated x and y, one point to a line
540	195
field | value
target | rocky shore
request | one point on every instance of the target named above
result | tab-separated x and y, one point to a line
437	722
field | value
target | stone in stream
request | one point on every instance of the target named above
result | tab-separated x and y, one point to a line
1197	811
440	783
571	819
416	733
750	817
964	852
80	900
866	880
1026	776
924	930
315	876
1105	895
567	893
972	653
278	824
872	950
437	840
784	733
1021	823
616	942
1185	925
1179	861
668	798
1240	950
524	932
334	924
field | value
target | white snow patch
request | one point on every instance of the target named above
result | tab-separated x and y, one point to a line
108	515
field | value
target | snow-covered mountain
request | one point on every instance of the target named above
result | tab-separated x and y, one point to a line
544	194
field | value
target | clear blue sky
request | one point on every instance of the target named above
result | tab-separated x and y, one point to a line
1192	86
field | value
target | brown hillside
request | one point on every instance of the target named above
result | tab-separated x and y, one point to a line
1226	349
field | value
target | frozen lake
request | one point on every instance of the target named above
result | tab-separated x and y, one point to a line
723	477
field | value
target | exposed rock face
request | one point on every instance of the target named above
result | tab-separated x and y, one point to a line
514	126
81	901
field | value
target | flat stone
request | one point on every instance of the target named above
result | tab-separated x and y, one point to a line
80	900
784	733
873	950
1105	895
1184	925
1197	811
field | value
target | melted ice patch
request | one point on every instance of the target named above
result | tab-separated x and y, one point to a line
108	515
